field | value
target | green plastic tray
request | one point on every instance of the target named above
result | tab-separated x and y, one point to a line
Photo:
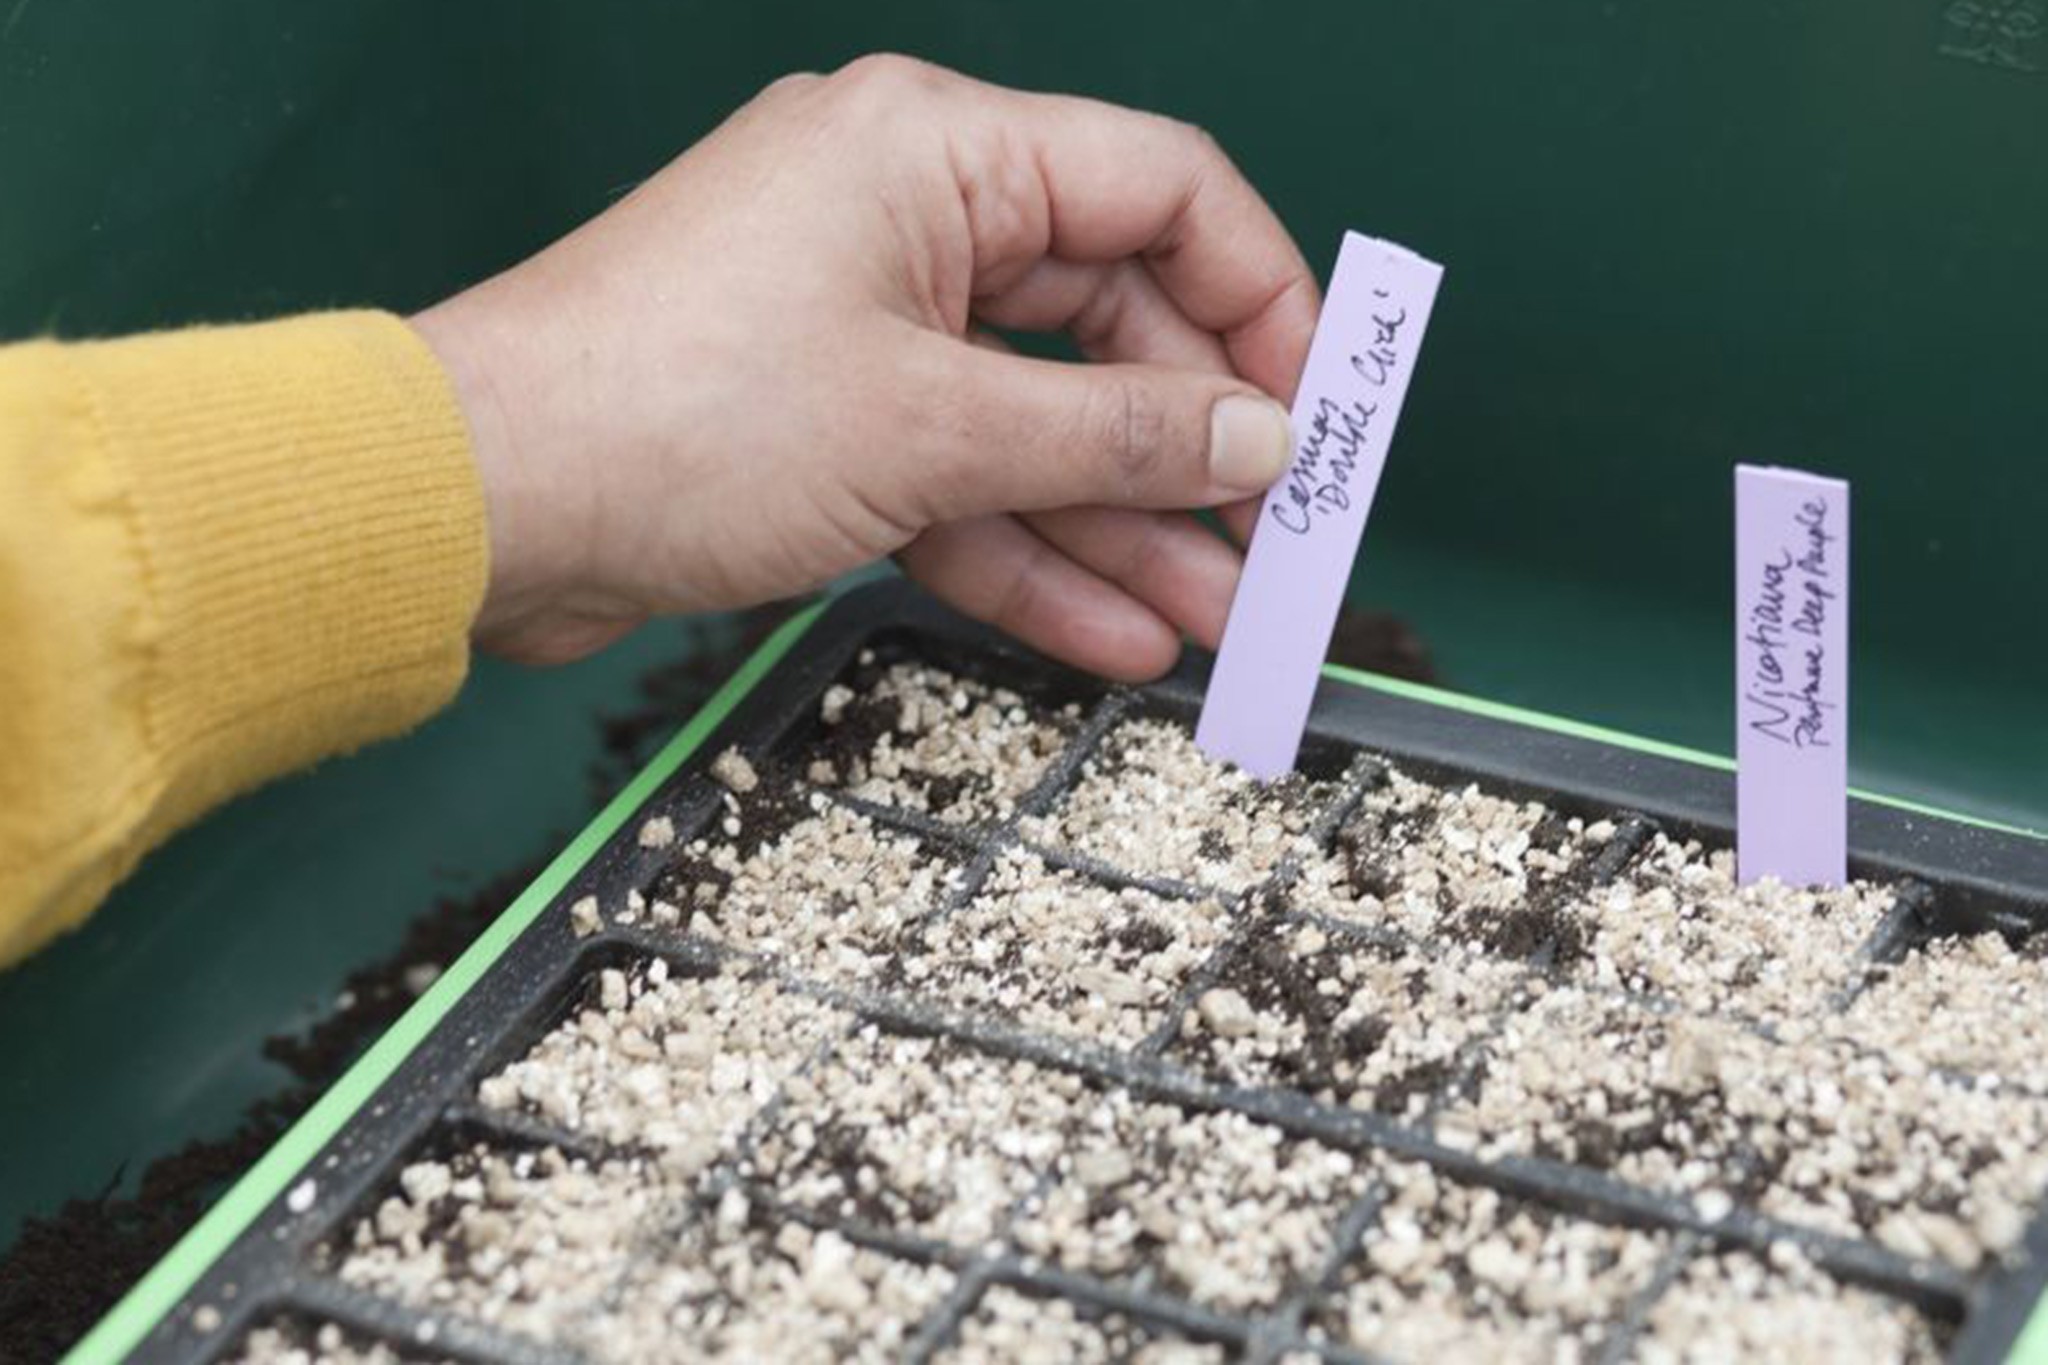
1988	875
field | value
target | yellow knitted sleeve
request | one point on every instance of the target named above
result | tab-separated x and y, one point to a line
224	553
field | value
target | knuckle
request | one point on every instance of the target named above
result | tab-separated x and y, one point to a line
795	83
1129	428
883	95
1200	140
1009	213
886	75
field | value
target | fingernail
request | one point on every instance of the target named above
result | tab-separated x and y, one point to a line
1250	442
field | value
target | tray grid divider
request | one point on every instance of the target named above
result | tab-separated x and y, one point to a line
1600	867
1146	1069
981	846
1885	940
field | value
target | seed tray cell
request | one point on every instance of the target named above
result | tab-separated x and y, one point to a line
1448	1267
828	1023
1595	1079
521	1239
1314	1007
1961	1004
673	1063
918	738
731	1284
827	896
1460	863
1931	1166
1738	1307
1677	926
1213	1208
1146	801
916	1134
1058	951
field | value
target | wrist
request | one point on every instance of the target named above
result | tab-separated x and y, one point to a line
462	344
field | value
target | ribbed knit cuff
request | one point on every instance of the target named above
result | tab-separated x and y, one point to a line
310	537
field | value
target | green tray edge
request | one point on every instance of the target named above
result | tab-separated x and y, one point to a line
2030	1347
154	1295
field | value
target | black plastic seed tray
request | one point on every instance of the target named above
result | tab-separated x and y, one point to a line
257	1261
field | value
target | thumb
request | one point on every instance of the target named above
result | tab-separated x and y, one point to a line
1029	435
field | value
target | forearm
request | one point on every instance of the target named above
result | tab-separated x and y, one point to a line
224	553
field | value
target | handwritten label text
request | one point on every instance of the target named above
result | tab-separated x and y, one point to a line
1791	674
1333	440
1375	315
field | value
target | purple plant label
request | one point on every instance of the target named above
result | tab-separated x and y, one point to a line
1308	531
1791	676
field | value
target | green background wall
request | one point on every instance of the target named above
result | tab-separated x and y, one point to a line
1677	236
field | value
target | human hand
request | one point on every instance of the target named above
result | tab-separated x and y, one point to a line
765	367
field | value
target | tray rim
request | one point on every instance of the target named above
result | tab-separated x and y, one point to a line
151	1298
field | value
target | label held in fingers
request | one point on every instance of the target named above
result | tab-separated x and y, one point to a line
1791	676
1365	346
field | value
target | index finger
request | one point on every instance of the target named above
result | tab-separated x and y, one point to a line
1119	183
